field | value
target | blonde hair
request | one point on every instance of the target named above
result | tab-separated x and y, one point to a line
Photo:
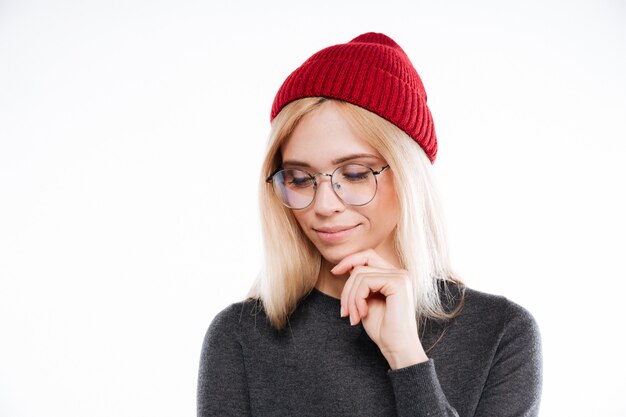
292	263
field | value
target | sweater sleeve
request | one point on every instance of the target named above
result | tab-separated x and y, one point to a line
418	392
222	387
513	386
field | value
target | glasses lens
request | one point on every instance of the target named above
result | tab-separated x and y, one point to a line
355	184
295	188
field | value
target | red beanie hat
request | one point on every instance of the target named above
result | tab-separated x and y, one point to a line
370	71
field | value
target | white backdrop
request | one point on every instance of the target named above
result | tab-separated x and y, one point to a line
131	136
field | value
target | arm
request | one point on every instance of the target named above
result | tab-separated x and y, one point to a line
513	387
222	386
381	296
417	391
513	384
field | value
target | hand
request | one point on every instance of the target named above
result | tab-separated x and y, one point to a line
381	296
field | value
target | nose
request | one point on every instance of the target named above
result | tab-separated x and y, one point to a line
326	201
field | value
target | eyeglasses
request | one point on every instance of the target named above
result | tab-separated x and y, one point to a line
354	184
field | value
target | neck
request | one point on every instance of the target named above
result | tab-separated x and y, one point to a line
328	283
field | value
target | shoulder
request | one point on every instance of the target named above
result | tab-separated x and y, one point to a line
509	335
239	313
237	317
507	321
493	307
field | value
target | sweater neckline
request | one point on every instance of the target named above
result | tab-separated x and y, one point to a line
324	302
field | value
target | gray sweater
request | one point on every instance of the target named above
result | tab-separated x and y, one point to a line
486	362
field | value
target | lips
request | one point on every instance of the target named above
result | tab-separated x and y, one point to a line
334	234
333	229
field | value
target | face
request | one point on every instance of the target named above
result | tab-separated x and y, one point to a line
322	141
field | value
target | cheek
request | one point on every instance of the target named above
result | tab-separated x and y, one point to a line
297	214
382	215
386	219
301	218
388	205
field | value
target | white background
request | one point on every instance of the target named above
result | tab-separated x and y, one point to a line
131	137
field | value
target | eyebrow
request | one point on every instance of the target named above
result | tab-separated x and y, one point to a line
334	161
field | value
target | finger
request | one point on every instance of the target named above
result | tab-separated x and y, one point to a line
355	277
348	304
355	307
345	294
369	283
361	305
367	257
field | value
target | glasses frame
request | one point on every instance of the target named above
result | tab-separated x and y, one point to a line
270	180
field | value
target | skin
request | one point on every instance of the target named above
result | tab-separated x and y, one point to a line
359	263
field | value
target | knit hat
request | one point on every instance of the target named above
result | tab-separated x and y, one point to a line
370	71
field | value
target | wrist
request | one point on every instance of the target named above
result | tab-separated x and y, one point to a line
405	357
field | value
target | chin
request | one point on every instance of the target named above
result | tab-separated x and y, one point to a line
336	255
331	260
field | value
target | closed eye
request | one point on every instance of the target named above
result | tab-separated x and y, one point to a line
301	182
356	175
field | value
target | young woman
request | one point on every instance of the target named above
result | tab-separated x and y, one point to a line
357	312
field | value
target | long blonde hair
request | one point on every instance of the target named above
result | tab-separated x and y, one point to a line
292	263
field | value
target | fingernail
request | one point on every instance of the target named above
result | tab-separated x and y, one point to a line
351	320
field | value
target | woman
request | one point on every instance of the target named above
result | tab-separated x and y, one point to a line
356	311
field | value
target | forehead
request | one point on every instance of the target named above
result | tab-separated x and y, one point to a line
325	135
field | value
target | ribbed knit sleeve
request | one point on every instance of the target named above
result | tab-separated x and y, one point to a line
418	392
222	387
